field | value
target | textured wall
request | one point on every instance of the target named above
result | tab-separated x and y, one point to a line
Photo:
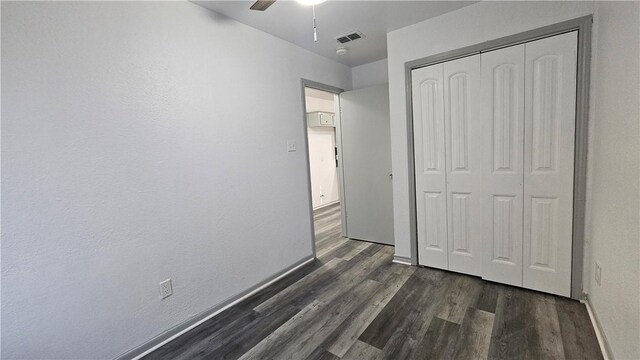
614	226
142	141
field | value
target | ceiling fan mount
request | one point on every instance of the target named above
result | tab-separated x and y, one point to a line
262	5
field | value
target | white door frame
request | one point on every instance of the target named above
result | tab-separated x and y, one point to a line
305	83
583	26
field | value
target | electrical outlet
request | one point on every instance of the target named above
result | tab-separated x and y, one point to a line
166	289
598	274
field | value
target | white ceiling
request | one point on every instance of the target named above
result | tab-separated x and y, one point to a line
292	22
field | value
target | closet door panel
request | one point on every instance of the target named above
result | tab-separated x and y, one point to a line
503	78
430	168
549	161
463	150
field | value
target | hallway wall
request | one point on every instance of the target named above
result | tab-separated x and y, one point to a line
322	142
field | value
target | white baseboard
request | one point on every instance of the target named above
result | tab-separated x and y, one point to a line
175	332
401	260
602	339
325	205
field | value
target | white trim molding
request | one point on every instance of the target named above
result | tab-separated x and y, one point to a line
602	339
327	205
402	260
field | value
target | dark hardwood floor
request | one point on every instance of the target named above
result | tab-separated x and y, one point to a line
354	303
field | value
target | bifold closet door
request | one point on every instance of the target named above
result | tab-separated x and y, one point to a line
503	98
494	159
429	150
550	99
463	148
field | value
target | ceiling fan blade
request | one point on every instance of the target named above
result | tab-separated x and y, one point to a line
262	5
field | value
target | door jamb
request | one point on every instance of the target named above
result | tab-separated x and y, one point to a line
305	83
583	26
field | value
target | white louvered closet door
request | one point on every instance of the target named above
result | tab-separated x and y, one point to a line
550	97
430	168
503	123
463	148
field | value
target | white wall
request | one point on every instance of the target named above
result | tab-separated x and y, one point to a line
614	228
486	21
142	141
370	74
322	142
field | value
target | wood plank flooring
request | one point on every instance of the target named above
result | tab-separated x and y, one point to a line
354	303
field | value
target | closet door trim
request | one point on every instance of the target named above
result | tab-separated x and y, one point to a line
583	26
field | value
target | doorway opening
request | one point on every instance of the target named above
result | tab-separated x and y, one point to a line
322	116
349	155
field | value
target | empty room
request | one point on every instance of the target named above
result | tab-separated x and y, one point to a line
320	179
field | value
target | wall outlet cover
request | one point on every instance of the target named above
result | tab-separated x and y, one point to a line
166	289
291	146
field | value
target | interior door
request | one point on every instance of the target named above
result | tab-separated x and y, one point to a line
503	118
463	163
429	149
550	97
366	158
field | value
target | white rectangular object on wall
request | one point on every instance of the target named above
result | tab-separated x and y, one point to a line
430	168
320	119
550	99
503	137
463	149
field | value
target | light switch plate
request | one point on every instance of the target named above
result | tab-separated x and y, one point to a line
291	146
166	289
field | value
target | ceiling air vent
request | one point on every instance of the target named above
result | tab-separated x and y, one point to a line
350	37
